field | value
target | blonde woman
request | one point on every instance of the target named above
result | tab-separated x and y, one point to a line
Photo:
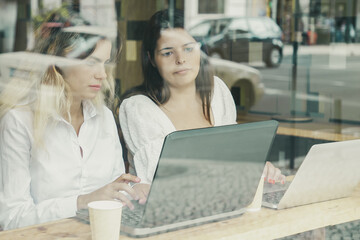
59	147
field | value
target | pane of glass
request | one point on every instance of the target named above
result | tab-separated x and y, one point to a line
239	24
201	30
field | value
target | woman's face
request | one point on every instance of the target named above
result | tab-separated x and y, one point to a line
85	79
177	57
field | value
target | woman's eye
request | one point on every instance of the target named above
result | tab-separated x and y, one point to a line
166	54
188	49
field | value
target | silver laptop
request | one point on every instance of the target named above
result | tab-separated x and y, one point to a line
329	171
203	175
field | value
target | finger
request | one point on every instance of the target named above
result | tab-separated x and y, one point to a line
277	175
281	178
123	199
125	187
142	197
128	178
270	172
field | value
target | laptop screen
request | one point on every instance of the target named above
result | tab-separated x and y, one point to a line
209	171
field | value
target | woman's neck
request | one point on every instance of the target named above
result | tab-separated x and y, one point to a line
183	96
76	109
184	109
77	116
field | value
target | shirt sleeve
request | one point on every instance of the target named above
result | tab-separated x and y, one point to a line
144	127
224	102
119	167
17	207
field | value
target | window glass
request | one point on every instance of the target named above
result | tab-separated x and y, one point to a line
206	7
239	24
272	26
258	26
201	30
293	61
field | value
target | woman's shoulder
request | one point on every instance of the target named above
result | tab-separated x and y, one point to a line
223	105
138	101
140	111
18	116
219	84
19	113
107	112
221	90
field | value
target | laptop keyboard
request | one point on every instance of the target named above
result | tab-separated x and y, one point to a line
216	197
274	192
130	217
133	217
273	197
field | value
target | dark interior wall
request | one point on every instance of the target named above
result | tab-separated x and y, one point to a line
132	17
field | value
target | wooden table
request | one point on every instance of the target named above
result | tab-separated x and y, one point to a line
314	134
263	224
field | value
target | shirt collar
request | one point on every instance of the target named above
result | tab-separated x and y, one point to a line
89	111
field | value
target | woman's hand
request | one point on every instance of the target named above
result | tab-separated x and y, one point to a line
111	192
142	190
272	174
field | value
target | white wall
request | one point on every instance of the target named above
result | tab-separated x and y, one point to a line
235	7
99	12
232	8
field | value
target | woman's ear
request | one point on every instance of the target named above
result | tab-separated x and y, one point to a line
151	61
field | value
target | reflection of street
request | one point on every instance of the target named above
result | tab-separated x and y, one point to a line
327	84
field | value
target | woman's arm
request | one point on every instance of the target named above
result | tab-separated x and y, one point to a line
17	206
224	103
120	181
144	127
111	191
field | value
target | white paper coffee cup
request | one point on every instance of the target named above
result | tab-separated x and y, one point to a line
105	219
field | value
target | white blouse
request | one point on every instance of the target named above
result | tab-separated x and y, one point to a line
145	126
42	183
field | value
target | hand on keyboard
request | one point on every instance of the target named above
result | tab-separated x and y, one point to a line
142	190
111	191
272	174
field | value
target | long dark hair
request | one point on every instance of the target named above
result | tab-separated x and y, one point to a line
153	85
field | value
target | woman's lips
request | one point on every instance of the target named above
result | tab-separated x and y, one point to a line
182	71
96	87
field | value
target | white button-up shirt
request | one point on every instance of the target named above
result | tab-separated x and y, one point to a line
42	183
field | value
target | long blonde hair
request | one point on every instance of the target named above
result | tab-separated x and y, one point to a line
51	95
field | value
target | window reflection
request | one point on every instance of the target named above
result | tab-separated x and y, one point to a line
251	45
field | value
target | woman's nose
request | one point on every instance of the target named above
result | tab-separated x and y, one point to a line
180	58
100	72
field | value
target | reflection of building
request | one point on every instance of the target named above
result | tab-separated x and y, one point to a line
330	20
16	18
196	10
319	21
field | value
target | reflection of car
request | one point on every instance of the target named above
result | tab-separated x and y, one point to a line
241	39
243	81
